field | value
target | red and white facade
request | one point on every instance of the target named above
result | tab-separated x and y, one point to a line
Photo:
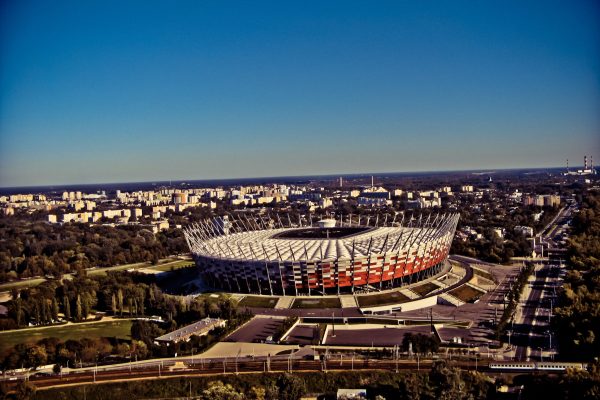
254	256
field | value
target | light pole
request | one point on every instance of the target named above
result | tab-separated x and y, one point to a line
333	324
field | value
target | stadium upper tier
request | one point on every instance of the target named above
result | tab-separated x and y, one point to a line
264	256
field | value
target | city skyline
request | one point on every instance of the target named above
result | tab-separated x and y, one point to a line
109	92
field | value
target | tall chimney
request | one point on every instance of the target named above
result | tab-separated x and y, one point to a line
584	163
567	165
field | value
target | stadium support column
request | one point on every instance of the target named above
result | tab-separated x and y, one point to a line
352	263
294	262
369	260
384	249
306	269
244	268
337	274
269	277
257	280
294	274
281	277
279	258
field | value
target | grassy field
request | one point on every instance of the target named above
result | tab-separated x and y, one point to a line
172	266
466	293
120	329
423	290
325	302
381	299
21	284
258	301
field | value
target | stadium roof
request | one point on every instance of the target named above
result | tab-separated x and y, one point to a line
212	240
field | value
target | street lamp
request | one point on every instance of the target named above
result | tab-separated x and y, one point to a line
333	324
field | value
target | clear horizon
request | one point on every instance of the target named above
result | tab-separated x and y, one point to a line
109	92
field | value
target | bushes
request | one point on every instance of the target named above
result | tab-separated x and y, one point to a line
444	379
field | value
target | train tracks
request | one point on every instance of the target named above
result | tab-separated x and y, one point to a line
216	368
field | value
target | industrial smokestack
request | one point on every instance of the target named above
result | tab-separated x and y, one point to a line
567	165
584	163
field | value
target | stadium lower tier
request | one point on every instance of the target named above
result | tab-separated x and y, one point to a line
319	277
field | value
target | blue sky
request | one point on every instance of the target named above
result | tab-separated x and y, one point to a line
110	91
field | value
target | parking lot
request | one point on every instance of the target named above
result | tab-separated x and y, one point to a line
256	330
374	336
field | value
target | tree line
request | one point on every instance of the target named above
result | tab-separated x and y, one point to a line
577	316
35	248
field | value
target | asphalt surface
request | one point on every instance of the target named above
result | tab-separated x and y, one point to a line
388	337
255	331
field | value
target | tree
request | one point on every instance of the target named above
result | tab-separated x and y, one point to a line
291	387
36	356
114	304
67	307
218	391
54	309
120	301
448	384
257	393
24	390
78	308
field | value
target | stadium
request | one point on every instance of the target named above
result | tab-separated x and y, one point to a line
264	255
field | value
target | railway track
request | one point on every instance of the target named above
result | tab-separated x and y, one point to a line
242	367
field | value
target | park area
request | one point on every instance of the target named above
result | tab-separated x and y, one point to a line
117	328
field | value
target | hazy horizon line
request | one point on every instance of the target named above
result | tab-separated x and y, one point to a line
281	176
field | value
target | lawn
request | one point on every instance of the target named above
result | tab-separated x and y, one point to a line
423	290
120	329
466	293
25	283
172	266
258	301
325	302
381	299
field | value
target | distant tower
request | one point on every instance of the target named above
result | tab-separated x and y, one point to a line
592	163
372	184
567	165
584	163
341	183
